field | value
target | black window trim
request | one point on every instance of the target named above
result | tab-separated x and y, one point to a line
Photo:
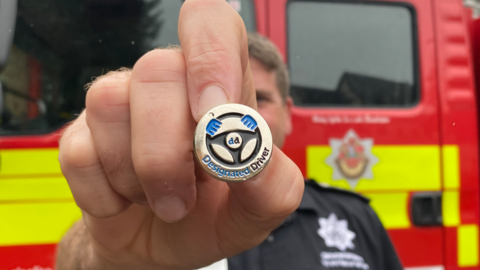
415	46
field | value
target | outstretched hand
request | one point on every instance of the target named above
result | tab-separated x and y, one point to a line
129	157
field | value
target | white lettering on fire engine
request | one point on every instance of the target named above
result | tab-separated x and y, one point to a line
343	119
36	267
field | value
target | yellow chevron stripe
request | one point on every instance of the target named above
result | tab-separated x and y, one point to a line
451	208
401	168
30	175
34	189
391	208
36	223
29	161
29	178
467	241
36	205
451	167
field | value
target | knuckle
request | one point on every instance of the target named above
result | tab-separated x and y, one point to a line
122	75
148	165
153	154
159	160
205	57
292	193
161	65
108	96
129	188
112	163
76	150
72	128
102	210
77	154
121	175
291	200
210	61
283	201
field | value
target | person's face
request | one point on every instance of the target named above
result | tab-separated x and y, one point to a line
270	103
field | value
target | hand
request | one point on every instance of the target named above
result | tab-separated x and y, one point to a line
129	160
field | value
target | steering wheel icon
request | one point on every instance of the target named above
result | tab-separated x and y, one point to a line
233	139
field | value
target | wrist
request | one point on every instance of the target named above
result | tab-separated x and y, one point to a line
99	261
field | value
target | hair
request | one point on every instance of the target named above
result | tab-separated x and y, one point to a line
263	50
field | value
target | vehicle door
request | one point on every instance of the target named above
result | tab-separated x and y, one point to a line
364	85
459	129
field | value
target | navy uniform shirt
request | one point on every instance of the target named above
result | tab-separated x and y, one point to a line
331	229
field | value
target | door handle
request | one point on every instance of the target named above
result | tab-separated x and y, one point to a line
426	208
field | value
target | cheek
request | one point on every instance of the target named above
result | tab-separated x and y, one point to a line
267	114
273	118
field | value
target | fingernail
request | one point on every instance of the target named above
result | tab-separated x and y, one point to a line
211	97
170	208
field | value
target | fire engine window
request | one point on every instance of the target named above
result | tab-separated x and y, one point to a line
61	45
352	54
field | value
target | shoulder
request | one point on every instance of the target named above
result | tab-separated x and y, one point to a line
321	189
325	200
329	203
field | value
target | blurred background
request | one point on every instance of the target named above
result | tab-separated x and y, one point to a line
385	105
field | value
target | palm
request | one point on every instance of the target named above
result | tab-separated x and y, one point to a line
208	233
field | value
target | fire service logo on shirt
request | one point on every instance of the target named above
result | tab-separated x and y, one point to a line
336	234
351	158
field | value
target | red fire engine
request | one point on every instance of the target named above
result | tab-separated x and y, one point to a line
385	105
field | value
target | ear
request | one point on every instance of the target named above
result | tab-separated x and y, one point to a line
288	116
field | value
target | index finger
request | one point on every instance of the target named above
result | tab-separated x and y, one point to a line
215	45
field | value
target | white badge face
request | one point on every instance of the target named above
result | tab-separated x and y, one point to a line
233	142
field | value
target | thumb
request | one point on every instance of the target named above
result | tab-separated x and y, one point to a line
215	45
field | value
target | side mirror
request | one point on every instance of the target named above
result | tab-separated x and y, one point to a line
8	15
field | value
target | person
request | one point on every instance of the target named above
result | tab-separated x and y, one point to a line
128	159
332	228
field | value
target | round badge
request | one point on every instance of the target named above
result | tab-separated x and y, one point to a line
233	142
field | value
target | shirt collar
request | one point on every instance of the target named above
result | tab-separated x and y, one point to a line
306	204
